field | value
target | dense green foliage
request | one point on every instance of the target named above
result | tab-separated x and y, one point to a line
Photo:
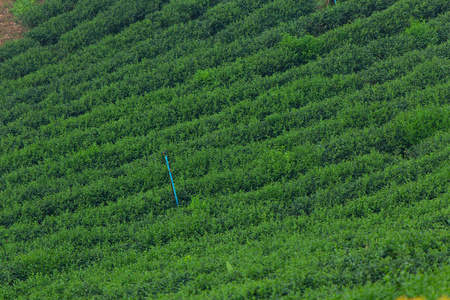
309	147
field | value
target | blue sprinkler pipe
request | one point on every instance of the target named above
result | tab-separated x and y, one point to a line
171	179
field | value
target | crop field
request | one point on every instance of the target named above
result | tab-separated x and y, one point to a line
309	146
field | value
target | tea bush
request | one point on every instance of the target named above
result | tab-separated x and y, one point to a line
309	149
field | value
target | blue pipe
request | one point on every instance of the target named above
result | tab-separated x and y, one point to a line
171	180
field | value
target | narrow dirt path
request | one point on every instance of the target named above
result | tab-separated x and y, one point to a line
9	29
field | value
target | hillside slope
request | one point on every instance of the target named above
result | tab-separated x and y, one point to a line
309	149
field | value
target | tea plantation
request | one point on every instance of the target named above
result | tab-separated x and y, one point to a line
309	146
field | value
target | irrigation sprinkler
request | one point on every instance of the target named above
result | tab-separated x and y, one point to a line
174	193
